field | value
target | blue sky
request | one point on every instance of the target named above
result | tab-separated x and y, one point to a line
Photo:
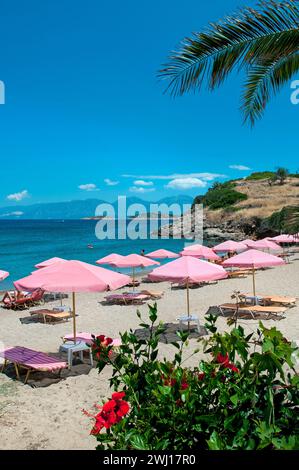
84	106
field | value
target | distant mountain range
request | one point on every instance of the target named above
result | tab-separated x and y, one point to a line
78	209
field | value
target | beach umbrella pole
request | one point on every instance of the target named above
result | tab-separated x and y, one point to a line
133	278
188	304
74	317
253	281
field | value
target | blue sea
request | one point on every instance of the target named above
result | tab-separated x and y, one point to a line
24	243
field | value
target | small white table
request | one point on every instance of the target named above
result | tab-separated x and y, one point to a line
70	348
188	319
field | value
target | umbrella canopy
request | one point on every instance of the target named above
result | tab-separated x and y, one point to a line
188	269
284	239
264	244
134	261
73	276
162	254
49	262
253	259
3	275
230	246
247	242
200	251
110	259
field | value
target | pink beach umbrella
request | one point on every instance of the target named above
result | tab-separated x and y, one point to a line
253	259
73	276
200	251
230	247
49	262
162	254
134	261
264	244
188	269
284	238
3	275
110	259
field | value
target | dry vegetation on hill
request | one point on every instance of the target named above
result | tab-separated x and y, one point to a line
262	201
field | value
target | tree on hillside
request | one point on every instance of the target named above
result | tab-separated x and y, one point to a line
282	174
264	42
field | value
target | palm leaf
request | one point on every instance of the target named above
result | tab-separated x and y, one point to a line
245	40
266	80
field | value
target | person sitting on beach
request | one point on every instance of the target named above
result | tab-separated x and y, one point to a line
10	296
142	253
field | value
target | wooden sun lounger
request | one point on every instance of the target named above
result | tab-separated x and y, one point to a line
51	315
273	299
153	294
252	309
239	273
192	285
280	299
149	281
126	299
30	360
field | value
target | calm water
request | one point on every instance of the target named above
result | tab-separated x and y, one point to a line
24	243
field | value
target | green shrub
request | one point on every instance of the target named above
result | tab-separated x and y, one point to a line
221	196
239	398
260	175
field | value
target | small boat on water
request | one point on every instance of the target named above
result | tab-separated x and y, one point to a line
90	246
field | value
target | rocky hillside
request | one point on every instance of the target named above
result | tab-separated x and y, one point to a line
256	200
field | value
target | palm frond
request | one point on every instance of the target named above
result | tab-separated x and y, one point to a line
246	39
291	224
265	80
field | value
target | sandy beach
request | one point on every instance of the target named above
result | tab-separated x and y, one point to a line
50	417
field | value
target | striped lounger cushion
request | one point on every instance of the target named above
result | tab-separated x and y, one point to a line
32	359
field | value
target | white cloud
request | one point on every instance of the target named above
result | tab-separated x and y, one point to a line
15	213
109	182
186	183
143	183
88	187
203	176
18	196
141	190
239	167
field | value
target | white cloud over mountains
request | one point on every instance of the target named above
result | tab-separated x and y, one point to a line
203	176
186	183
18	196
109	182
143	183
141	190
89	187
239	167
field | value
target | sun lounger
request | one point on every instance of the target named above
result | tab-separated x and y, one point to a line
239	273
251	309
152	294
126	299
280	299
183	285
270	299
147	280
134	283
11	301
51	315
30	360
